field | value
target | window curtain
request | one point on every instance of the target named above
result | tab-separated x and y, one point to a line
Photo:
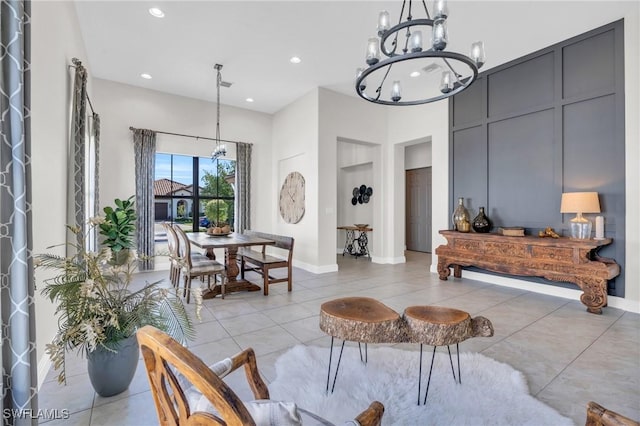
19	363
243	186
144	142
77	203
95	175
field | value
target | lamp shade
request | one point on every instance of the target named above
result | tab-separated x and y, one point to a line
580	202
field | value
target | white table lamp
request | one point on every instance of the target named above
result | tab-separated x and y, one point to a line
580	202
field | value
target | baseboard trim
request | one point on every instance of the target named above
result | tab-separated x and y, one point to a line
549	290
315	269
624	304
389	260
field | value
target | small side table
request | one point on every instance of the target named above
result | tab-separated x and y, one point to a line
441	326
359	319
356	245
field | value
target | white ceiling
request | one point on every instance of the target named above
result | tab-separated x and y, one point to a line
254	41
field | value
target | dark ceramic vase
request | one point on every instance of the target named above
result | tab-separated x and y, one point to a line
481	222
111	372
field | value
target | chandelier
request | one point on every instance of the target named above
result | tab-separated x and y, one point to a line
429	74
221	149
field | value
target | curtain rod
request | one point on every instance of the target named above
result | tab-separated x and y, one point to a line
76	64
191	136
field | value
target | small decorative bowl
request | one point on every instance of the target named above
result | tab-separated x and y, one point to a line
360	225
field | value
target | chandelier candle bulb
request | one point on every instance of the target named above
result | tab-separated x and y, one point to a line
396	94
373	51
440	37
599	228
446	83
477	53
383	22
415	41
440	9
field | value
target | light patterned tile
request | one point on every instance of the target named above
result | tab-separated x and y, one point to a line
75	396
81	418
306	329
136	410
567	355
208	332
230	310
266	340
212	352
289	313
246	323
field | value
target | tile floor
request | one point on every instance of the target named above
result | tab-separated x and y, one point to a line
568	355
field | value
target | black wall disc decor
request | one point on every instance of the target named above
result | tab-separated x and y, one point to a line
361	194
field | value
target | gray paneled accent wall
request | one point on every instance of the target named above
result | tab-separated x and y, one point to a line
547	123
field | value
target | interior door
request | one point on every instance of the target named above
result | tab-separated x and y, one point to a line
418	209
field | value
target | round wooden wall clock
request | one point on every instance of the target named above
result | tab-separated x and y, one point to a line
292	198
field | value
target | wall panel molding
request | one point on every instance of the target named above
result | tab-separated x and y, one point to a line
544	124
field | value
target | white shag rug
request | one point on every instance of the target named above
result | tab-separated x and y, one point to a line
491	393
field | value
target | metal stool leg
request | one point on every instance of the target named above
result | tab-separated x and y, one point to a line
458	353
420	374
451	362
366	355
337	368
329	369
429	381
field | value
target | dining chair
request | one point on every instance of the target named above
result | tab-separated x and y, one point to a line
174	254
188	392
193	267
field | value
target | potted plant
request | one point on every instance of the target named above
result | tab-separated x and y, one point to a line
217	212
118	228
99	312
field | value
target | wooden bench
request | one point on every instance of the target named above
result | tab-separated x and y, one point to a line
262	263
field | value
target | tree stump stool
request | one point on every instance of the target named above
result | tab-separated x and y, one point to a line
359	319
440	326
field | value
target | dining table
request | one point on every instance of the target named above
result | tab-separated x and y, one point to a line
230	243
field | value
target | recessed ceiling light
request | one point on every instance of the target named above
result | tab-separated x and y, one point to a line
158	13
146	76
249	99
415	74
295	60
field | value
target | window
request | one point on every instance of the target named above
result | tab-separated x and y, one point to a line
178	200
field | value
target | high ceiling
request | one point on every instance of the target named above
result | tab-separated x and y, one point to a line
255	40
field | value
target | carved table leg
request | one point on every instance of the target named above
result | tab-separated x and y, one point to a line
595	293
457	271
443	269
210	254
233	284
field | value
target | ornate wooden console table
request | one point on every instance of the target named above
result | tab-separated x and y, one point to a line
561	259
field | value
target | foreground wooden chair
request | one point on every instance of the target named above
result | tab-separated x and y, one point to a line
597	415
174	372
